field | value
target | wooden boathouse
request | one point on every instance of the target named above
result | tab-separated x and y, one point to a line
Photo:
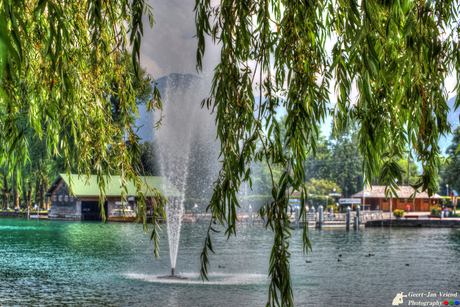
376	199
83	203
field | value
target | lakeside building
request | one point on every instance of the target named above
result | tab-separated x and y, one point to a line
377	200
83	203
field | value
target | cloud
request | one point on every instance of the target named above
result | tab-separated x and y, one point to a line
169	46
169	42
151	66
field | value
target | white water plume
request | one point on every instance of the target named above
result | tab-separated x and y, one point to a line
214	279
174	214
186	146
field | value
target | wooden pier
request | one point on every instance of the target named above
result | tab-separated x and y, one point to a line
421	222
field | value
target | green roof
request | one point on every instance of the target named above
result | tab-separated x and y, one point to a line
83	186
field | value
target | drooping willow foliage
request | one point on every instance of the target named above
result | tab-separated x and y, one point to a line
396	53
59	60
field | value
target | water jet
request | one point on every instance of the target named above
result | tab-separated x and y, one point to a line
173	275
187	149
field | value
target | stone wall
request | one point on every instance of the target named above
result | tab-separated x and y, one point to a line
116	206
64	205
20	214
447	223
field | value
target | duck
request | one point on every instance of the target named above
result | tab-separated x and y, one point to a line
338	260
221	266
308	261
407	264
340	255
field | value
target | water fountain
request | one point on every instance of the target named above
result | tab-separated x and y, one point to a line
186	145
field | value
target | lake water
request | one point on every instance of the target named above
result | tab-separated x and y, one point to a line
55	263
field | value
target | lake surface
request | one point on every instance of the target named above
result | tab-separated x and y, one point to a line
55	263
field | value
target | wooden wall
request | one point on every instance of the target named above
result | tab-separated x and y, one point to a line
62	206
419	205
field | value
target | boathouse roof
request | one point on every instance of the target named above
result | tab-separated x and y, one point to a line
84	186
378	191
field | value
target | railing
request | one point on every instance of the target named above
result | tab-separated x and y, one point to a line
363	216
337	217
311	216
370	215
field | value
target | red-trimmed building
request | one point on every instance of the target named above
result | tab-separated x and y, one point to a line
377	200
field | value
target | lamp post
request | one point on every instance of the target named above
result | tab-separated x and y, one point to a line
391	201
333	190
447	188
364	197
366	192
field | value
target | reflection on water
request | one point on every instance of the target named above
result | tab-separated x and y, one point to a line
214	279
93	264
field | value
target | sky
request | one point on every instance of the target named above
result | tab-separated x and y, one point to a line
169	46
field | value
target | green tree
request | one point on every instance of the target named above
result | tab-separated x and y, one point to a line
318	164
322	187
346	160
261	177
149	160
451	171
56	59
397	53
123	114
5	188
413	172
141	88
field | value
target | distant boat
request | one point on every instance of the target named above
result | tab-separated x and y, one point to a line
117	216
42	216
188	220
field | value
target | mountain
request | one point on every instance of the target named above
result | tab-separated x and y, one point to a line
453	118
174	81
171	82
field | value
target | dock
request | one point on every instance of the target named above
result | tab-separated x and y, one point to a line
329	220
421	222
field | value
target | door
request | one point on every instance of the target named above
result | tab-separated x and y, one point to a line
90	211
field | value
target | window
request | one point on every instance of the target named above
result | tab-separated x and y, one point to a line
426	200
66	198
54	197
71	198
60	197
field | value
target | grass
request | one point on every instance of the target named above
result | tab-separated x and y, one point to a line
24	211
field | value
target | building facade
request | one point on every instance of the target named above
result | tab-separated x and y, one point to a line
77	197
377	200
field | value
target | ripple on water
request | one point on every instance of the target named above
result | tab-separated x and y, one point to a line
94	264
214	279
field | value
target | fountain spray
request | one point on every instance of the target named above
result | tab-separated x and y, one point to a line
188	152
